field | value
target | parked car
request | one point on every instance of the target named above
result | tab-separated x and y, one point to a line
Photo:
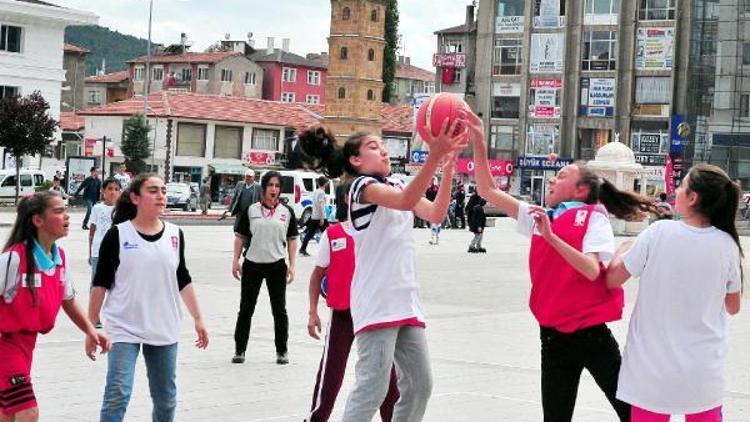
30	180
297	188
179	195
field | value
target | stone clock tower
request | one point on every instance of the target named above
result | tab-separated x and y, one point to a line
354	84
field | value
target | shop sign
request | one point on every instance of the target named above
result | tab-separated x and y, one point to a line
547	52
650	159
654	48
419	157
449	60
260	158
534	162
508	24
497	167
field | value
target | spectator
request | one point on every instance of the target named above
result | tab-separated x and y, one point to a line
91	187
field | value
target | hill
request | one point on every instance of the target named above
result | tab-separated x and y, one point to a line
113	46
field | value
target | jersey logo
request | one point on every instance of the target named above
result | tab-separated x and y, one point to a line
128	245
338	245
18	380
175	242
37	280
580	217
282	218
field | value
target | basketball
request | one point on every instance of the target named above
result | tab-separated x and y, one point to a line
433	112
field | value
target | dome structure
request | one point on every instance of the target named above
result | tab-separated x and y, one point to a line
615	152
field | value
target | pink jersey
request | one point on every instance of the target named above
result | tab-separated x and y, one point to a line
341	268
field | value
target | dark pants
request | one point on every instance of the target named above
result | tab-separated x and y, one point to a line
311	229
460	216
252	277
89	205
332	367
564	356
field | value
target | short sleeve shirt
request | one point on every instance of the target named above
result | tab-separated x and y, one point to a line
323	260
122	179
269	231
101	217
10	279
319	203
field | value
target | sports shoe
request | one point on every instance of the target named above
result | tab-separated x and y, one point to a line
239	358
473	250
481	250
282	358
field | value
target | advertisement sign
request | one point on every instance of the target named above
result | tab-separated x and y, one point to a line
497	167
549	15
649	159
506	89
542	139
508	24
669	177
449	60
545	98
419	157
654	48
77	169
533	162
649	143
597	97
547	52
680	131
260	158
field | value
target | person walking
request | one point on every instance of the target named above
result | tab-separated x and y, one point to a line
122	176
205	196
143	275
317	221
460	197
690	279
246	193
34	285
477	223
268	230
332	278
91	187
101	221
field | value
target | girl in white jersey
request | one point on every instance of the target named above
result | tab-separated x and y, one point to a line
386	310
690	279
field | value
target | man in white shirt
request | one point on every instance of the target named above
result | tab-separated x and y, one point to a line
317	219
122	176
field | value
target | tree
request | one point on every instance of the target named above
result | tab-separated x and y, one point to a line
135	146
391	46
25	128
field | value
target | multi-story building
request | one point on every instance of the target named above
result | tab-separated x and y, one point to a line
355	72
74	64
107	88
455	58
411	81
216	73
289	77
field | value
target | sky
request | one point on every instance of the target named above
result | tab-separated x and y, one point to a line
305	22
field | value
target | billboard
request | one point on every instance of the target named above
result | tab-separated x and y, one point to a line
545	98
547	52
654	49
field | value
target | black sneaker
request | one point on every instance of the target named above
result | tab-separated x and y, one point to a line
473	250
239	358
481	250
282	358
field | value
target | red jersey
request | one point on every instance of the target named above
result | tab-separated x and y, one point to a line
341	267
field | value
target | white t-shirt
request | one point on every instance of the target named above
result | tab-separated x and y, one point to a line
101	217
599	237
123	179
323	259
319	203
673	361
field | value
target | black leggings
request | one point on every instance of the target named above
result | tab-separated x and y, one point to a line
311	229
252	278
564	356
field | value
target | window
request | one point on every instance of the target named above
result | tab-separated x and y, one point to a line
506	107
542	139
287	97
549	13
429	87
453	46
203	73
228	142
8	91
599	50
249	78
95	97
508	57
457	76
653	90
374	15
187	75
344	53
138	73
511	7
656	10
10	38
313	99
265	139
191	139
313	77
10	180
746	53
346	13
744	105
503	138
26	180
158	74
289	74
370	95
601	12
38	179
371	54
342	93
544	98
226	75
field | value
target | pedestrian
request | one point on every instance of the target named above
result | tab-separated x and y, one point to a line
101	220
205	194
268	230
460	197
335	263
435	228
690	278
387	316
122	176
91	187
477	223
663	208
143	274
59	189
34	285
246	193
569	297
317	221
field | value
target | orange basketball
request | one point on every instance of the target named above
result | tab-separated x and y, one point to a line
433	112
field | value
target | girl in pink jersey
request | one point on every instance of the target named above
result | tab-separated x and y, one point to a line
33	287
569	296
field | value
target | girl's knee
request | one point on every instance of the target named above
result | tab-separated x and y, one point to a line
27	415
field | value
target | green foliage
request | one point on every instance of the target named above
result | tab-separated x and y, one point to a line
391	45
46	185
113	46
135	146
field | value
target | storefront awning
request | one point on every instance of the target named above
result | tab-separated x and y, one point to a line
237	169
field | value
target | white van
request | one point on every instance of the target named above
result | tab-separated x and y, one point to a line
30	180
297	188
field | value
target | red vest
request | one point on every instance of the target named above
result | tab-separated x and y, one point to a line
341	267
22	314
561	297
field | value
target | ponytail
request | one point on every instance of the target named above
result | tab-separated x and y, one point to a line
125	209
624	205
322	152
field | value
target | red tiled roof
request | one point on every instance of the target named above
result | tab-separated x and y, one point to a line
408	71
397	119
71	122
187	57
70	48
109	78
459	29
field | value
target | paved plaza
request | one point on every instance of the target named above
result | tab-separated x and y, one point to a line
483	340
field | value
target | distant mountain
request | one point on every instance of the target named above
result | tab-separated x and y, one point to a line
113	46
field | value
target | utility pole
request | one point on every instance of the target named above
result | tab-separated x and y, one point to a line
104	157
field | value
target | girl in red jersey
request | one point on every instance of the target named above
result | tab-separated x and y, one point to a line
33	287
569	295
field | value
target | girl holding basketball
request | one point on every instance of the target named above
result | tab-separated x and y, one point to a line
690	278
386	312
569	295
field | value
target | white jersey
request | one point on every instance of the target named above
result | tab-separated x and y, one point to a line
384	287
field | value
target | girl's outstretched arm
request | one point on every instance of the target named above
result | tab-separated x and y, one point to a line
434	212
